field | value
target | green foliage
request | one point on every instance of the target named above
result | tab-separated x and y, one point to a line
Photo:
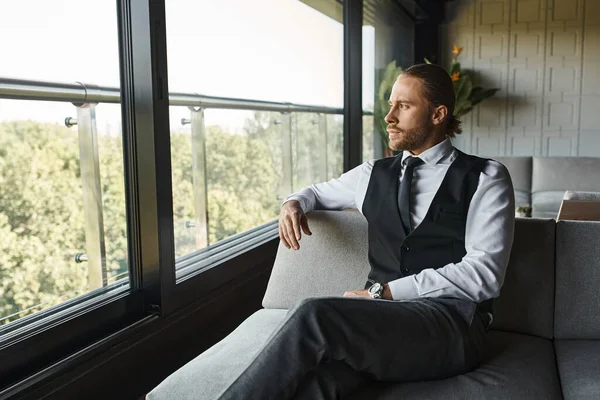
478	94
241	179
387	79
41	205
463	88
241	182
110	149
454	68
467	95
41	217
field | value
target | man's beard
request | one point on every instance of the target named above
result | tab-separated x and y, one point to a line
412	138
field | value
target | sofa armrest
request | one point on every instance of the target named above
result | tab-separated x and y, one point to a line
331	261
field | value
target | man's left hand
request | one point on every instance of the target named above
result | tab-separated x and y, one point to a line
358	293
387	294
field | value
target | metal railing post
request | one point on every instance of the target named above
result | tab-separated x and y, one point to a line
286	144
199	180
92	193
323	147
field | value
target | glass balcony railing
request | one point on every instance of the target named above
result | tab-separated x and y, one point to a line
296	145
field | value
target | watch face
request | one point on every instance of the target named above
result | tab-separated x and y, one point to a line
375	288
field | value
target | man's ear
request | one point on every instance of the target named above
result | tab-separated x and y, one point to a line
439	114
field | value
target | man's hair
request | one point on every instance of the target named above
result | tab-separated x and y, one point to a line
438	89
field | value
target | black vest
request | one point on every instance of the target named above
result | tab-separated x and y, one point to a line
438	240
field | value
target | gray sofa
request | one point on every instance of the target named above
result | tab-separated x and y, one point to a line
541	182
544	342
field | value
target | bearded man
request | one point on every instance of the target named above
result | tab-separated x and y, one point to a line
440	231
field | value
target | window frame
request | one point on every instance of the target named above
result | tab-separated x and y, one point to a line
33	348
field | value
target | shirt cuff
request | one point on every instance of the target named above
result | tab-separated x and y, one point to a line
404	288
302	197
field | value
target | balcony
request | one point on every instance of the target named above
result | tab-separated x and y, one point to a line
299	144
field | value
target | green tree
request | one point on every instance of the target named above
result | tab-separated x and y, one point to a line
241	182
41	215
41	220
306	146
110	149
41	205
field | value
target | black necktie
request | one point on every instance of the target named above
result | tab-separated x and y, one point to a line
405	192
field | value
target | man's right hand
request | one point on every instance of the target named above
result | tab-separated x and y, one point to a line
291	220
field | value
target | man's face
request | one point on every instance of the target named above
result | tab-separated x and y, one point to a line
409	120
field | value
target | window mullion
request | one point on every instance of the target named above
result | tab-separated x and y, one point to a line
144	93
353	19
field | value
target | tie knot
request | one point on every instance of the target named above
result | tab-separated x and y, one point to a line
413	162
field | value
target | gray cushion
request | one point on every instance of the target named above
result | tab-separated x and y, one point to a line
552	176
331	261
577	314
579	368
516	367
207	375
526	301
582	196
565	173
520	169
522	198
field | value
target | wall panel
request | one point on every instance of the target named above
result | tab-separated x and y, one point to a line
545	58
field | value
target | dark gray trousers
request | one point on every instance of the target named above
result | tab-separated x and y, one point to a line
326	348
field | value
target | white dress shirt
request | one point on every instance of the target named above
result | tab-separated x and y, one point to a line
489	226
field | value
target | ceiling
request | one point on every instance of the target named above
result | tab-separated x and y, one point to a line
417	10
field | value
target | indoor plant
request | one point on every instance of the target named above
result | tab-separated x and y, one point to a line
467	95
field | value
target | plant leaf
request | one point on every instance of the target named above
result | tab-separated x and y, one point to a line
475	92
462	111
482	94
390	72
388	78
463	88
455	67
461	107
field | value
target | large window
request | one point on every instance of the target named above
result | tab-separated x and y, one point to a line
63	211
123	175
62	201
234	161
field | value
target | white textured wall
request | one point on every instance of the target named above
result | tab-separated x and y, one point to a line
545	57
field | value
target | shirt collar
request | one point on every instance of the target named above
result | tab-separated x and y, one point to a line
432	155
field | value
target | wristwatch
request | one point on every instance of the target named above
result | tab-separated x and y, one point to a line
376	291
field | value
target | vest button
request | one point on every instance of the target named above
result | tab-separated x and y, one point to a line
405	270
406	248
